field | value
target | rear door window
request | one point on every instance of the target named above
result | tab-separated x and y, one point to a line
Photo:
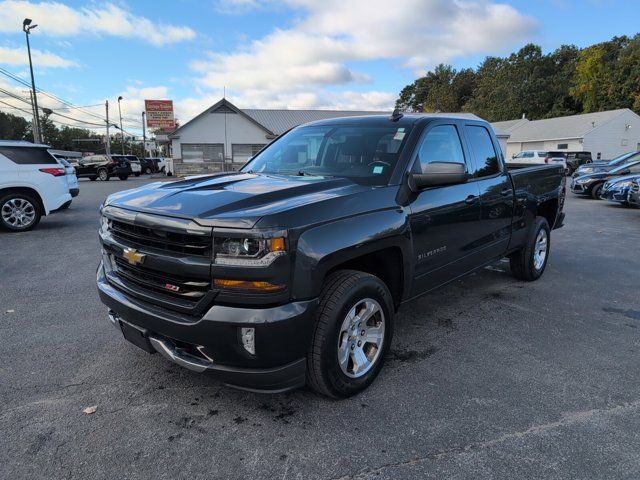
28	155
485	154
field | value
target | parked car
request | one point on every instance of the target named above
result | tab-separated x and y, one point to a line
157	164
290	271
72	180
595	167
592	183
536	157
32	184
136	166
617	189
103	167
633	198
573	159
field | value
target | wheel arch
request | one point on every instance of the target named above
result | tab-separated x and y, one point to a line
26	191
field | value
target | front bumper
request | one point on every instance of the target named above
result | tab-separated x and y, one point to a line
282	333
615	195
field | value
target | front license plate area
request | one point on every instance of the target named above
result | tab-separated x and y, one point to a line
136	335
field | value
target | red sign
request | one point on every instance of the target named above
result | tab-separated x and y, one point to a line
159	114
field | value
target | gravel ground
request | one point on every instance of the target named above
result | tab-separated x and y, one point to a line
487	378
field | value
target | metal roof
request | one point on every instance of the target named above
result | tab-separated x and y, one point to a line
573	126
279	121
510	125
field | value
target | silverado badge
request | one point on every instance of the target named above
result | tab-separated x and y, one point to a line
132	256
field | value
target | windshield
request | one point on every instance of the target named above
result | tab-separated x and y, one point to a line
626	166
621	158
358	152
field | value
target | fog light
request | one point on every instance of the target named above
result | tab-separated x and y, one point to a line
248	336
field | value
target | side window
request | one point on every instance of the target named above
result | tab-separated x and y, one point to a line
440	144
28	155
527	154
486	157
635	168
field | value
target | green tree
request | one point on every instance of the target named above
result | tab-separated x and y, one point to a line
13	127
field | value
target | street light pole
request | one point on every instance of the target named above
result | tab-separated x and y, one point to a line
27	27
107	147
144	137
121	130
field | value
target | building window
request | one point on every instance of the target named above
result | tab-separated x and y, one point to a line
202	152
563	146
243	152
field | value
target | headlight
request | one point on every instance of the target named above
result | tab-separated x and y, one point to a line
258	251
583	180
585	170
626	183
105	223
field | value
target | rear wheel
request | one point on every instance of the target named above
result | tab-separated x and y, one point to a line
103	174
529	262
137	174
596	190
147	171
123	177
19	212
352	334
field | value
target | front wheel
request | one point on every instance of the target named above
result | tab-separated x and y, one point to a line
147	171
123	177
137	174
19	212
596	190
529	262
354	328
103	175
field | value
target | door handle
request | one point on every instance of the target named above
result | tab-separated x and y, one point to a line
506	192
471	199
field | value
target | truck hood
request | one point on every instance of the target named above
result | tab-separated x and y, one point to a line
236	200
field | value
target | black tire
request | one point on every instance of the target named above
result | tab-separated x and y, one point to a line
341	292
93	179
65	205
523	262
596	190
137	174
33	209
123	177
147	171
103	175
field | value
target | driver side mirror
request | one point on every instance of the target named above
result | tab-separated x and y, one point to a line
438	174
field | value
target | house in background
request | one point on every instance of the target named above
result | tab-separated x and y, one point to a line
604	134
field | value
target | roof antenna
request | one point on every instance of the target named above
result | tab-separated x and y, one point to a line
396	115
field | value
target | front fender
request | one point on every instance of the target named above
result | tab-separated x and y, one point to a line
322	248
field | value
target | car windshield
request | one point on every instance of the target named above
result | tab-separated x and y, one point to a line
363	153
621	158
624	167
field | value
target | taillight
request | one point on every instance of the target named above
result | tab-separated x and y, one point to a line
56	172
546	159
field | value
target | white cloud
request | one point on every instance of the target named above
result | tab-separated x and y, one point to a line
59	20
19	56
323	48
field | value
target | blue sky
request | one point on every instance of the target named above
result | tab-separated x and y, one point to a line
345	54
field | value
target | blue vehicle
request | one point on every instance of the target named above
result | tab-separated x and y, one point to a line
617	189
596	167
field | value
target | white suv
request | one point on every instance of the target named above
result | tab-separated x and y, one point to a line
536	157
32	184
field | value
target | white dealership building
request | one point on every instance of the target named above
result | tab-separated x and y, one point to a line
604	134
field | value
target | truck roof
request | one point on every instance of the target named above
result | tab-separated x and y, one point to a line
407	119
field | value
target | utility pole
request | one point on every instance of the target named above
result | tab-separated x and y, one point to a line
144	137
108	144
121	129
34	124
26	28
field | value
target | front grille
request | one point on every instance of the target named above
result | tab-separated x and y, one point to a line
161	239
173	285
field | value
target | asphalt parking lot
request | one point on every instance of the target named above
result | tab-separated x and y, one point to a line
487	378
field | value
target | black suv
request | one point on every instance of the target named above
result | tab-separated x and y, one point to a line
102	167
573	159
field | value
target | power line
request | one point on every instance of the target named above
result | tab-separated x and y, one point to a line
16	108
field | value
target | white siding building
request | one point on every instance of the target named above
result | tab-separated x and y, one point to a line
604	134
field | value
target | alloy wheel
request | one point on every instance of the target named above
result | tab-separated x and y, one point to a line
18	213
360	338
540	249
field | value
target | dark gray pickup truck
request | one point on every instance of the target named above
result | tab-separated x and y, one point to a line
290	271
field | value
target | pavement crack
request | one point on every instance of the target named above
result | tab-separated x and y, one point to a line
566	419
